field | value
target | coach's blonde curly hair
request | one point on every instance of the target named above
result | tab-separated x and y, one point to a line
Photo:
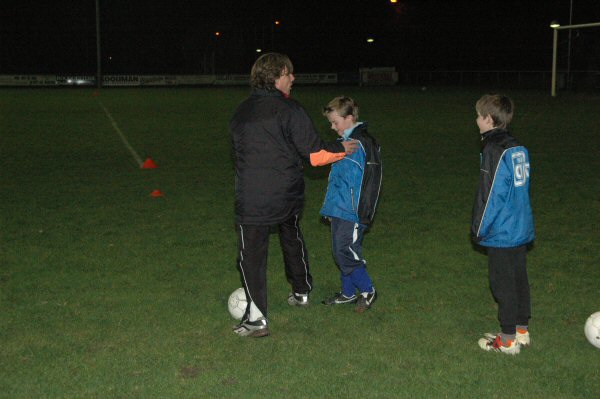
268	68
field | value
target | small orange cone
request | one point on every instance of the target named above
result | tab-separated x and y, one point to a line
156	194
149	164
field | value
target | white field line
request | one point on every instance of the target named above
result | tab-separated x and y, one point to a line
122	136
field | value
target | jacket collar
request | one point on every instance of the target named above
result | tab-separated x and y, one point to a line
358	127
349	131
491	133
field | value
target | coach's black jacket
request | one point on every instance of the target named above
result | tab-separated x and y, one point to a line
271	134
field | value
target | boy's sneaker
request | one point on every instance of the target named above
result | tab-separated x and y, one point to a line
256	329
365	300
339	299
494	343
297	299
523	338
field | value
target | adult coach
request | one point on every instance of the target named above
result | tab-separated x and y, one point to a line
271	135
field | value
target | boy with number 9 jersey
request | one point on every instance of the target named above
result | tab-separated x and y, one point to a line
503	222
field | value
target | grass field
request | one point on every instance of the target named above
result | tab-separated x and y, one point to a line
107	292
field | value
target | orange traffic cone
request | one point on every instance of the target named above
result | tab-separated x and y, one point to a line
156	194
149	164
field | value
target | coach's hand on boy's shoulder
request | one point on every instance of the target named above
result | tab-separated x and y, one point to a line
350	146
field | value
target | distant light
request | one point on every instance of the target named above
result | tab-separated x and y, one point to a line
554	24
259	50
393	1
277	23
217	33
370	40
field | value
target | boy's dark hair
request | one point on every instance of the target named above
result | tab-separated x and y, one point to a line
343	105
498	106
268	68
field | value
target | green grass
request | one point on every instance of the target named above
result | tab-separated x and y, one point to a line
106	292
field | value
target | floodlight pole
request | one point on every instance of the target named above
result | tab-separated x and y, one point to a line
556	28
98	53
569	46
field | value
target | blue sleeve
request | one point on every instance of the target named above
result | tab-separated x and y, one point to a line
499	193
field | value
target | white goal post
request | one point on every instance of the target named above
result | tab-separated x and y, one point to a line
556	26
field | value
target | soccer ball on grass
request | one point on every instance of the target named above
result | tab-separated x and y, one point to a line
592	329
237	303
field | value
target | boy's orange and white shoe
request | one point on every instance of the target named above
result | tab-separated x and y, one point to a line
523	338
493	343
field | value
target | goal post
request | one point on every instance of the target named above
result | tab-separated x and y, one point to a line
556	27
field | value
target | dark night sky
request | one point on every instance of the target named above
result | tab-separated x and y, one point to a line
177	36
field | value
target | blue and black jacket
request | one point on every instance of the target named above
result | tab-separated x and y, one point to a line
502	215
355	180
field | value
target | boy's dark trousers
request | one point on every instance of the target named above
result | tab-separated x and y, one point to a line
253	245
510	286
346	242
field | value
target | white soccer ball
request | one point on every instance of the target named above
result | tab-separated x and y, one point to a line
237	303
592	329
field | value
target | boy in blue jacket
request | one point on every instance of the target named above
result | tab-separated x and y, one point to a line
503	222
350	202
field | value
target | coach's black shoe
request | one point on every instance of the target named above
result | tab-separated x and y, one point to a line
365	300
339	299
295	299
256	329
